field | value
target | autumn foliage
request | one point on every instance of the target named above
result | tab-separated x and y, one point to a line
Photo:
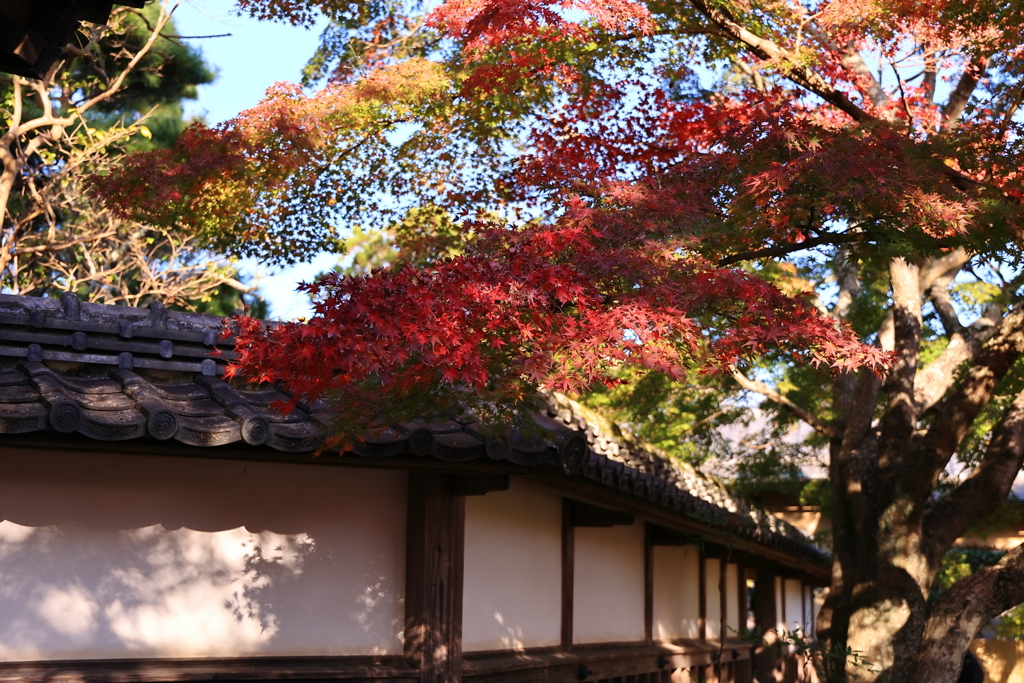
614	235
822	187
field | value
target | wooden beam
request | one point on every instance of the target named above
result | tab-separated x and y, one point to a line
568	572
478	483
582	514
661	535
353	668
433	576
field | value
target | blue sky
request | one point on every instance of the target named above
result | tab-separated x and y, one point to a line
255	56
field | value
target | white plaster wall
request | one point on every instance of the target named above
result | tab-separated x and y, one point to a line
608	584
794	604
512	595
732	600
713	600
114	556
676	591
809	609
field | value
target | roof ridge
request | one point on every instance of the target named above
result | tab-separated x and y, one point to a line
601	434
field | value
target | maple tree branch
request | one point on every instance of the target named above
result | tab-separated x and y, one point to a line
969	604
767	49
903	97
958	411
961	95
934	379
939	267
900	416
696	31
752	73
774	396
943	305
852	60
984	490
784	249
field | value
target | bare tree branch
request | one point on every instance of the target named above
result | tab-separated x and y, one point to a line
161	22
760	387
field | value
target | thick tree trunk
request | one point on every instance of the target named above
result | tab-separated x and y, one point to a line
890	533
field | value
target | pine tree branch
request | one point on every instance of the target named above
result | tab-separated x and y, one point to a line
161	22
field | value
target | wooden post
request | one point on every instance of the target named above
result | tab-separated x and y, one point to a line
782	603
568	571
765	617
433	578
741	596
723	602
702	602
648	584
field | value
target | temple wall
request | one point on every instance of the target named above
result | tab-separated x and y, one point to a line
608	586
676	592
512	596
115	556
712	599
732	600
794	605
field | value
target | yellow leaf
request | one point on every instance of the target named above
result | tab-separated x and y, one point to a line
146	132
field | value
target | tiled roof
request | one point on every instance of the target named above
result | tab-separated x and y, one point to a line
115	373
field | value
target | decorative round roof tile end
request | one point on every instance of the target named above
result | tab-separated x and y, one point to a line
65	416
255	431
421	442
497	447
573	454
162	425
